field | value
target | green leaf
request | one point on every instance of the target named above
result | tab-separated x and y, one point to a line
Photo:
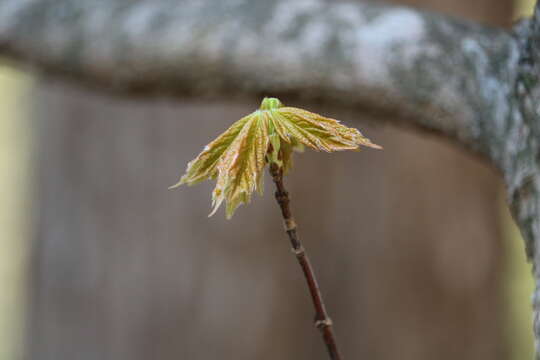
318	132
238	156
241	166
204	166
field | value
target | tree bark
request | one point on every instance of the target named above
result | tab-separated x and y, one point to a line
124	269
446	75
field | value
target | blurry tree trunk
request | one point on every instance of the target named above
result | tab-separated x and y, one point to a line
405	241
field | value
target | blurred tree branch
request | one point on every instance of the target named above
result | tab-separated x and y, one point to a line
472	83
429	68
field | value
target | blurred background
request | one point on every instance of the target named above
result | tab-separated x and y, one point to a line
415	249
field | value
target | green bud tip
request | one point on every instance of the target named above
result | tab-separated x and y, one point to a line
270	104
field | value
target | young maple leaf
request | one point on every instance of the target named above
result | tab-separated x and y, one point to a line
238	156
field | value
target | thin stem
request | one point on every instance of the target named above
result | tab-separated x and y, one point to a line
322	320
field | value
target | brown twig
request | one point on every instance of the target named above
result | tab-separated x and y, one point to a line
322	320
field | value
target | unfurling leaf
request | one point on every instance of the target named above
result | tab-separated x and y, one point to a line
238	156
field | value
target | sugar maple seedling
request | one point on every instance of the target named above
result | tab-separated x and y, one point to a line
268	136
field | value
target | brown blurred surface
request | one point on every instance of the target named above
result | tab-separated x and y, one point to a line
496	12
405	241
